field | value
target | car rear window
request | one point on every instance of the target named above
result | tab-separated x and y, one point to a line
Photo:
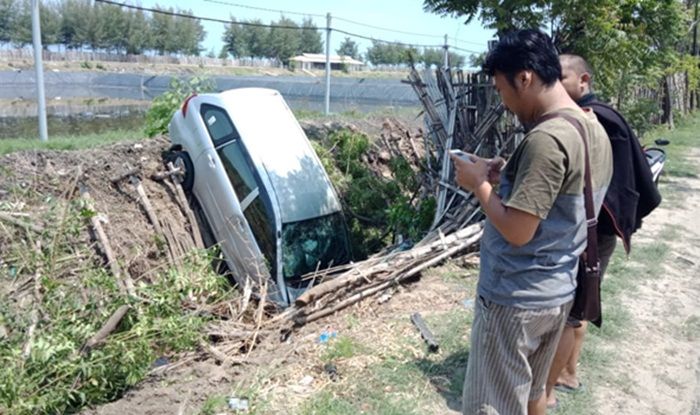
221	129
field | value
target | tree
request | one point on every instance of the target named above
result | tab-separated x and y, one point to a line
348	47
283	42
8	10
21	28
137	34
74	13
381	53
189	33
162	32
115	23
236	39
310	41
626	41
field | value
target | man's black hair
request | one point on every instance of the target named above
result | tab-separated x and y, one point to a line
527	49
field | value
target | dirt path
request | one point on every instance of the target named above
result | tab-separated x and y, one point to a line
659	361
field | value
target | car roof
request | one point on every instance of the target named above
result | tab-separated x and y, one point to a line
273	137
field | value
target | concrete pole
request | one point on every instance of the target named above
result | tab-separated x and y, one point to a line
39	66
328	64
446	54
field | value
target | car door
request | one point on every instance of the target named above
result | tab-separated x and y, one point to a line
221	164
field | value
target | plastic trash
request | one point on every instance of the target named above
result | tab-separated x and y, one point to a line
468	303
238	404
326	335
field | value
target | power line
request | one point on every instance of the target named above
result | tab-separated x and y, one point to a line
465	41
189	16
374	39
245	6
243	23
384	28
465	50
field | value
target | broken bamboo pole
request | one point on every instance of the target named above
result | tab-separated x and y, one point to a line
123	280
107	329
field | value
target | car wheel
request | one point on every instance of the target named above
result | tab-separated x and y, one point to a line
182	160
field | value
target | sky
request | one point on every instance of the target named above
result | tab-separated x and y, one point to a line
398	15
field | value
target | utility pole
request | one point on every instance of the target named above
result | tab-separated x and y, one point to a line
328	64
446	54
39	66
695	30
694	94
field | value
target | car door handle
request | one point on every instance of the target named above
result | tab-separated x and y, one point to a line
212	164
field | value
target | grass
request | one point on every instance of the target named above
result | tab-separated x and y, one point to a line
685	136
406	379
10	145
395	373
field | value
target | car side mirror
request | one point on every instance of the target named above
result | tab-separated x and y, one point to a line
662	142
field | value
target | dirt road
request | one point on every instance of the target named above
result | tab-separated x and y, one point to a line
658	363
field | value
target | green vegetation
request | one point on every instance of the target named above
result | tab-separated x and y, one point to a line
378	210
165	105
76	24
10	145
281	43
55	283
634	47
394	373
685	136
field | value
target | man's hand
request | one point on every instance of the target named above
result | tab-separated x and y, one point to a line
495	166
470	174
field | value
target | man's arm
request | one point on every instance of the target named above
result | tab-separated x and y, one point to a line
516	226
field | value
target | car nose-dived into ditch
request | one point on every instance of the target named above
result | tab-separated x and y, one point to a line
261	188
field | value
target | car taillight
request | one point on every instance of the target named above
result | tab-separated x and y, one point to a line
184	104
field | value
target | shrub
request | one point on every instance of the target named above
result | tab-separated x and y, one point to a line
164	106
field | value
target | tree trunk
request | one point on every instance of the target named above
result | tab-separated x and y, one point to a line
667	105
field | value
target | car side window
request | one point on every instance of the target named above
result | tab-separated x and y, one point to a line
221	129
254	200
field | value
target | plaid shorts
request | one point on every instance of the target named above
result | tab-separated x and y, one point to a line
511	351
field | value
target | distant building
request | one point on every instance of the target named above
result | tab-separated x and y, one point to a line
318	61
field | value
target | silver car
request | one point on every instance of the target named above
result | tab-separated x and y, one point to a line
261	188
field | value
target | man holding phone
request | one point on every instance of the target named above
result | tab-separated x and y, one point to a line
535	228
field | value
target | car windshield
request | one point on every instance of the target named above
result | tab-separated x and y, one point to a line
313	244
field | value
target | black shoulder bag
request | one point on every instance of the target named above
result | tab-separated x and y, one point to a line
587	299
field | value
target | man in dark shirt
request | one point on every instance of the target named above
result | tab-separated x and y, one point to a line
631	196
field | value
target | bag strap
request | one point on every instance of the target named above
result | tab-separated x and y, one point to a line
591	219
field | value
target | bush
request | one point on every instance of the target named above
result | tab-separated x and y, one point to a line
164	106
379	210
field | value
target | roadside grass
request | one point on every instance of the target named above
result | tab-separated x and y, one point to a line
355	114
395	373
685	136
75	142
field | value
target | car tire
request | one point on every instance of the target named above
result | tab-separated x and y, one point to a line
182	160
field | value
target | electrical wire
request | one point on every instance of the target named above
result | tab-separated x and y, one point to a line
244	23
342	19
189	16
245	6
374	39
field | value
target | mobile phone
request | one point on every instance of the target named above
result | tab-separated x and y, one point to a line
461	154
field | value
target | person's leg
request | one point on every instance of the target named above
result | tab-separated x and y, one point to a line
511	350
565	349
568	374
542	358
538	406
568	377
